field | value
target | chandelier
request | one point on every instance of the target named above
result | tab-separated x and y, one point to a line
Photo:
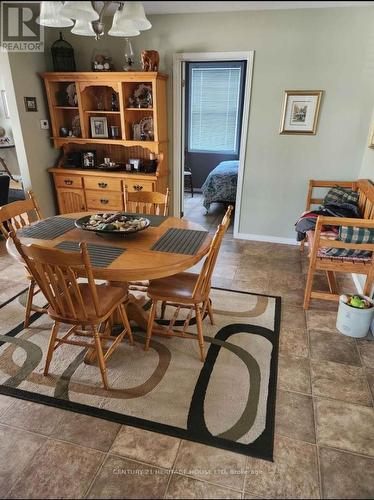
87	18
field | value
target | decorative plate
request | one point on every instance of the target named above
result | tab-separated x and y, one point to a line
76	126
72	94
117	223
146	127
143	93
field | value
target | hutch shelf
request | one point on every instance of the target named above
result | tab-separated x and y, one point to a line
75	98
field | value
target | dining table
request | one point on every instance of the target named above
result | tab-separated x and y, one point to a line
169	245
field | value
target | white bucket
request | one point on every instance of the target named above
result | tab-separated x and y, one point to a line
352	321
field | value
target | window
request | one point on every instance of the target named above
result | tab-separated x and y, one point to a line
215	96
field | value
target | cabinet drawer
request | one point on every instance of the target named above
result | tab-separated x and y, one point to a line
104	201
135	185
105	183
71	181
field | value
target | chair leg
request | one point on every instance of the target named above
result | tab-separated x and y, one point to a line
200	335
331	278
126	323
210	311
100	357
51	345
309	285
368	285
163	307
30	296
150	324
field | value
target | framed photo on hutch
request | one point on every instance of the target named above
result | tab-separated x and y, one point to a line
99	127
300	112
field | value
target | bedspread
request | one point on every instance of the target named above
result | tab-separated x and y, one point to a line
221	183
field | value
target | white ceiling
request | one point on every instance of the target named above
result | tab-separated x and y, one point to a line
229	6
189	7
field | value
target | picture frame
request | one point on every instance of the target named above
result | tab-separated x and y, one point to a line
88	159
99	127
135	163
300	112
5	104
371	139
30	104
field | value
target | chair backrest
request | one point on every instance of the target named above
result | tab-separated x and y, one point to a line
56	273
18	214
366	198
203	283
147	202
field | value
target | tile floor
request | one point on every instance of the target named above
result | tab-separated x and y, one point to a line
324	444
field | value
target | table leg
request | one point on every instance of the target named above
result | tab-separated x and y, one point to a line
135	313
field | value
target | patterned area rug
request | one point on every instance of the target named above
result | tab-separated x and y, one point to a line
227	402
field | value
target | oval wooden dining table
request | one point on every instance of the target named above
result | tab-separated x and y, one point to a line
138	262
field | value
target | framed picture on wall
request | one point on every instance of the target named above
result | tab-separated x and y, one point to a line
371	141
300	112
30	104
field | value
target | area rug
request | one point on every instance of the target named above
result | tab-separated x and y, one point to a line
227	402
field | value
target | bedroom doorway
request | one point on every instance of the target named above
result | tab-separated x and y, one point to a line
211	107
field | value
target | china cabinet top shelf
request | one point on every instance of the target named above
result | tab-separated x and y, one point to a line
75	111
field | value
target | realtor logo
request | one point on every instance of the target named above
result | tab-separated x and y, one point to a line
19	30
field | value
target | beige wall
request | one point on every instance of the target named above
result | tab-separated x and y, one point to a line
38	150
329	49
9	155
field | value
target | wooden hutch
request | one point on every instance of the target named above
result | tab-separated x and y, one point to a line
79	189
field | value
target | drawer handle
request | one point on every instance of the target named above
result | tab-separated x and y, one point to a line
137	187
103	201
102	184
68	182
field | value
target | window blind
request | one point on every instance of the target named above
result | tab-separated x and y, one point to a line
214	109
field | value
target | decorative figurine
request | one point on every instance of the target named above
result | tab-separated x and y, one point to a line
150	60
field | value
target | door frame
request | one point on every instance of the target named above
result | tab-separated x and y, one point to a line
178	117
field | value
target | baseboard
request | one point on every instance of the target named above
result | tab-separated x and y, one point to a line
265	238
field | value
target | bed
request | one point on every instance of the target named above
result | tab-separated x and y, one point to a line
220	185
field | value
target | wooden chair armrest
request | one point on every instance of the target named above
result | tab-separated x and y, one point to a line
344	221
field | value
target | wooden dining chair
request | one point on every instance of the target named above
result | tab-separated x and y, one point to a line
86	305
188	291
147	202
14	216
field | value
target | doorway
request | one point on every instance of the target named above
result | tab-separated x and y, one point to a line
211	109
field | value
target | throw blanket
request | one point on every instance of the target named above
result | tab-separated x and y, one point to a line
308	220
220	185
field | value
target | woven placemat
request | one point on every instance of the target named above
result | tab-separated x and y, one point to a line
184	241
48	229
100	255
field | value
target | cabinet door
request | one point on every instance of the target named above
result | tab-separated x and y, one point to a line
71	200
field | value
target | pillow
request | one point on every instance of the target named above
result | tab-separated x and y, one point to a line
339	195
352	235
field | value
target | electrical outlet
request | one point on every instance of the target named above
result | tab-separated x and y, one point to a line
44	124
